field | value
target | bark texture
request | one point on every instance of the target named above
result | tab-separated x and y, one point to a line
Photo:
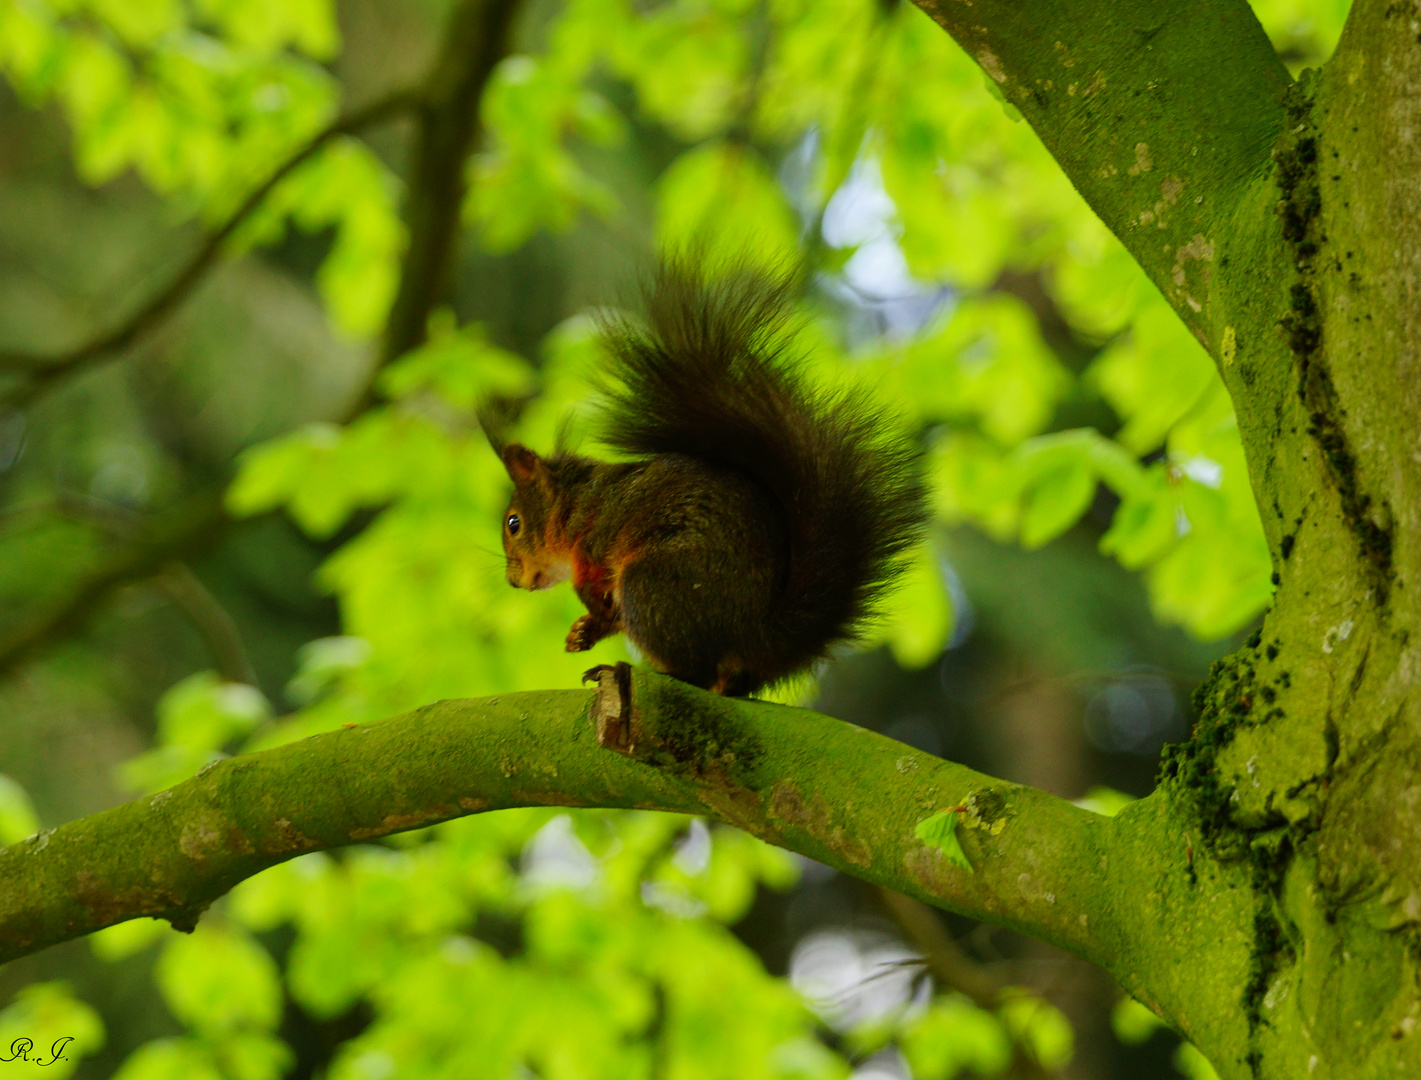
768	769
1281	221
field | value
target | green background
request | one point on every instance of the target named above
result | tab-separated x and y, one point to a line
1095	541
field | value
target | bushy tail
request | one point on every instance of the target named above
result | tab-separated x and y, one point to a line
708	377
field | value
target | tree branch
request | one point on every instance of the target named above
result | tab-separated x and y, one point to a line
178	534
41	372
1160	113
448	107
210	619
449	127
765	768
1098	887
952	967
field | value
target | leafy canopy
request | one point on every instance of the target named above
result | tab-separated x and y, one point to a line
850	134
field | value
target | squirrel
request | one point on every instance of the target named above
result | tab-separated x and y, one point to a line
760	519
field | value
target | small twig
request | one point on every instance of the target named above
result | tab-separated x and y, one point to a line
40	371
944	958
953	968
448	130
178	533
448	106
210	619
1074	349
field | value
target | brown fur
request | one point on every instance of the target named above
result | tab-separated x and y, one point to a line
761	519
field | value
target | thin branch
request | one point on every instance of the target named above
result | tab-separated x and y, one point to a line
1073	349
41	372
211	620
449	126
835	792
180	533
448	107
952	967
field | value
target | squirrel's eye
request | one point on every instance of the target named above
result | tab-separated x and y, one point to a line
514	524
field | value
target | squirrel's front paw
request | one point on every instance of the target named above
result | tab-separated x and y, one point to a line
579	638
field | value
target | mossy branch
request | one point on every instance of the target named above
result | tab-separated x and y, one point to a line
844	796
832	791
1160	113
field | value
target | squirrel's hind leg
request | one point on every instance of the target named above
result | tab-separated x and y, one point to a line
732	680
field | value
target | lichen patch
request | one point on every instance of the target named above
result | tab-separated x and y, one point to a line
817	817
393	823
287	838
1200	250
208	834
991	65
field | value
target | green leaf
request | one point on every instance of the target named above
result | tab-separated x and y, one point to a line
722	201
1059	482
918	620
1041	1028
272	472
940	831
1153	376
162	767
1132	1023
197	717
1193	1064
952	1035
322	663
253	1055
462	366
308	25
170	1059
735	864
139	23
58	1029
1054	501
218	980
206	712
127	938
529	178
1144	526
355	191
974	480
17	814
278	894
686	61
1104	800
806	1058
987	363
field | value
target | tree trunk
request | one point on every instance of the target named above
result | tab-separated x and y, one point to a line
1281	221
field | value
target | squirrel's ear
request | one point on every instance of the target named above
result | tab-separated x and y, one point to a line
522	464
495	423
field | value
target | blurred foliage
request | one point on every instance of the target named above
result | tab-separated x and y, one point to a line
849	136
17	814
45	1031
